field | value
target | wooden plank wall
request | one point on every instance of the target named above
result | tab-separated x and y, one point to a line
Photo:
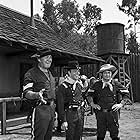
134	64
90	70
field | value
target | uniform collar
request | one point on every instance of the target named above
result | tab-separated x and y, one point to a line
43	70
74	82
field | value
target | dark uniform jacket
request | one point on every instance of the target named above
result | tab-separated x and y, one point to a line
105	97
36	80
68	97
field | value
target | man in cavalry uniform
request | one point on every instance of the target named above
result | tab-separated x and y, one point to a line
39	88
70	102
107	96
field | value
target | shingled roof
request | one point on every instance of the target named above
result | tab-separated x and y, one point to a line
16	30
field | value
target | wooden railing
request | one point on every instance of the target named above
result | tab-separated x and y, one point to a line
3	101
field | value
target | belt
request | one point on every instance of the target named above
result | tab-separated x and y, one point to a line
105	110
73	107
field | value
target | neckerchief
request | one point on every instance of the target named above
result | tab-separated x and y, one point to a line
105	84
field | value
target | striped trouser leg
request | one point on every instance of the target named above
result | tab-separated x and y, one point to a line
41	123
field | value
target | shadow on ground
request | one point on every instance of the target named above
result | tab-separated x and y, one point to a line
87	132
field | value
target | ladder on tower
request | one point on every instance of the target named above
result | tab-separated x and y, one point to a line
121	64
123	72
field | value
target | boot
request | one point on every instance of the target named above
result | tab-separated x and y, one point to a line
100	138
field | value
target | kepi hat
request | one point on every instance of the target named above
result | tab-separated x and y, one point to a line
108	67
41	53
73	65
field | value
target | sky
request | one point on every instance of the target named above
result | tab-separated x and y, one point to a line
110	13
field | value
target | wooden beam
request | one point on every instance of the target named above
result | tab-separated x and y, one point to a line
9	99
3	121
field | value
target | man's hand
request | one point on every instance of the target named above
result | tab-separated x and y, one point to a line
64	126
95	106
116	107
41	96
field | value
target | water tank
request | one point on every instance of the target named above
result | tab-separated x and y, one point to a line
110	38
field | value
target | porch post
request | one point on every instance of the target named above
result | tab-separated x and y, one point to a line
3	121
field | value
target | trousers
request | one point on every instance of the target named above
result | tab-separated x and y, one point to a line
107	121
75	119
42	122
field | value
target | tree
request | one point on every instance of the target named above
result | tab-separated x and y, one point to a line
131	8
84	41
132	44
69	21
63	17
49	14
92	15
69	16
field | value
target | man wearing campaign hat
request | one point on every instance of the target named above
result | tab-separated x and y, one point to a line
70	102
39	88
106	102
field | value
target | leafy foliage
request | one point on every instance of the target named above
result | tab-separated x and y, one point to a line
92	15
131	8
85	42
132	44
69	16
49	14
74	24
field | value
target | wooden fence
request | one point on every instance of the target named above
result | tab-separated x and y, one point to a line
4	119
134	65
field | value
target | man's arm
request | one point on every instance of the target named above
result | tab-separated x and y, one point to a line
125	96
60	106
60	103
28	87
124	92
91	96
32	95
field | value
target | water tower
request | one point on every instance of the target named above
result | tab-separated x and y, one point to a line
111	47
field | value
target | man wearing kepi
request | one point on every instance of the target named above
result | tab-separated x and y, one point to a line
39	87
108	97
70	103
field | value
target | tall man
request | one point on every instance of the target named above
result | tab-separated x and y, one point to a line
108	97
39	87
70	103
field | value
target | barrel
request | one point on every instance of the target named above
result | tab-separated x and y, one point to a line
110	38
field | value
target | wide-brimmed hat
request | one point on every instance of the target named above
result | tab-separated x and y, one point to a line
73	65
108	67
42	53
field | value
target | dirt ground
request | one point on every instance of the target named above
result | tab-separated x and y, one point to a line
129	127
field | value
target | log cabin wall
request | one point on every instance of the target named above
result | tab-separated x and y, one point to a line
9	76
